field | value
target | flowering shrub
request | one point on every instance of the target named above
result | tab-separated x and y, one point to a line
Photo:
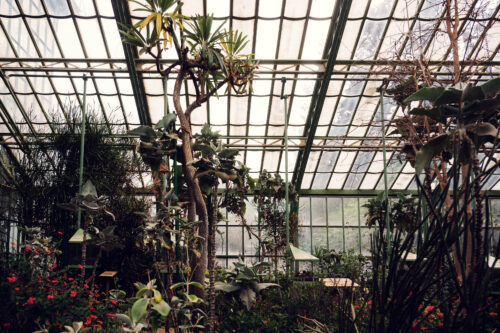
36	295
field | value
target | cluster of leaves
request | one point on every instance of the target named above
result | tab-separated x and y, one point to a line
403	213
343	264
243	282
465	114
269	195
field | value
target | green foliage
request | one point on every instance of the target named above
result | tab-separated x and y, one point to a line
243	281
343	264
468	114
403	214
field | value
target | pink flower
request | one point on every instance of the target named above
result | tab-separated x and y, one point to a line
72	294
369	302
59	232
11	279
111	314
429	308
440	314
113	301
6	325
50	296
80	266
493	314
28	249
30	300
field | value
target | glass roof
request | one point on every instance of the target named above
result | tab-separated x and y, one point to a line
48	45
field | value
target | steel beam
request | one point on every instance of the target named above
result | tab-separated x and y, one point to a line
122	15
331	48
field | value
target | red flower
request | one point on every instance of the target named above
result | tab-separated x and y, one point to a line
440	314
6	324
411	293
72	294
369	302
37	252
80	266
423	328
111	314
440	324
86	286
60	232
27	249
493	314
50	296
11	279
414	324
356	306
30	300
113	301
429	308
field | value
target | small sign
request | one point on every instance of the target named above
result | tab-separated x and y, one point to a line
108	273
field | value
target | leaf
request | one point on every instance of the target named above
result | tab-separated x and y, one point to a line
429	150
449	96
228	153
491	87
196	284
146	21
192	298
162	308
262	286
166	121
139	309
471	93
247	296
226	287
176	285
157	296
433	113
484	129
143	130
425	94
89	189
124	319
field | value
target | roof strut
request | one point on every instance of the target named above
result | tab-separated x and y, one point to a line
122	15
333	43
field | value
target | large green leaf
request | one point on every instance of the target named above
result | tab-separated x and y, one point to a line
124	319
166	121
247	296
472	93
228	153
143	130
262	286
425	94
429	150
491	87
449	96
484	129
88	189
139	309
226	287
162	308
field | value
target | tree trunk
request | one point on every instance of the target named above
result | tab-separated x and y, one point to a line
211	260
192	183
96	262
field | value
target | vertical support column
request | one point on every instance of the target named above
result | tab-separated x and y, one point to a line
384	153
82	145
287	209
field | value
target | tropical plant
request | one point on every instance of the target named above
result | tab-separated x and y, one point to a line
243	281
208	65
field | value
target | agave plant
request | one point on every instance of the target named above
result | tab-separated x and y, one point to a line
243	281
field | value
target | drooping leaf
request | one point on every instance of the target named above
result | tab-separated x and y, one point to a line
484	129
124	319
226	287
144	131
491	87
472	93
449	96
166	121
262	286
157	296
429	150
162	308
88	189
139	309
433	113
425	94
247	296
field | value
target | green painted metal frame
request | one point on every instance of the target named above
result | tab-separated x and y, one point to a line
338	23
122	14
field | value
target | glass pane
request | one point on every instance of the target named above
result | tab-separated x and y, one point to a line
319	237
304	211
352	239
251	244
220	241
351	211
305	239
234	241
335	239
334	211
318	211
366	241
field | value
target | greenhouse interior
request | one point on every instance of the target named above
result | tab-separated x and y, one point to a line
249	166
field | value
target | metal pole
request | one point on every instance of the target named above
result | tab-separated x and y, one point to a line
384	152
287	210
82	145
